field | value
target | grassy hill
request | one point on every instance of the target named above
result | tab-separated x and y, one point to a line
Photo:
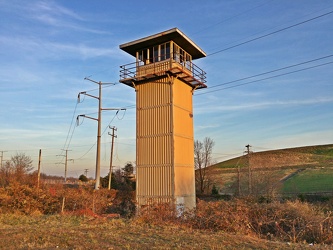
292	170
321	155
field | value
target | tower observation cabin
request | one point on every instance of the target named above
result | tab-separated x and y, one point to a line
164	78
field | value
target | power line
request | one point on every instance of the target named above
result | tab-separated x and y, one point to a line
96	141
232	17
69	130
99	126
241	84
271	33
107	85
72	133
259	80
271	71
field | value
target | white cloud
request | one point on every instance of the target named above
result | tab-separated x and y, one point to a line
54	9
223	106
38	48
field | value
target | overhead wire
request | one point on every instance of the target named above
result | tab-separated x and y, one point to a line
271	33
69	130
267	72
232	17
104	86
74	112
96	141
312	13
259	80
218	85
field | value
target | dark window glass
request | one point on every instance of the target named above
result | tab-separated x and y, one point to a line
175	53
162	53
143	56
181	55
155	54
167	50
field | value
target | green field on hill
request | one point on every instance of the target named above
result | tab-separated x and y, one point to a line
310	181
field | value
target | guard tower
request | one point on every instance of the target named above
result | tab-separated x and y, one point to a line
164	79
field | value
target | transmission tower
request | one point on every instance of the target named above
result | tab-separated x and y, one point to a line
99	121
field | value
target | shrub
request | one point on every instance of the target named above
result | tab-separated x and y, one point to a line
157	214
49	199
123	204
26	200
293	221
215	191
289	221
229	216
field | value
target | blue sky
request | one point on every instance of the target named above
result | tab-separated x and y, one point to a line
48	47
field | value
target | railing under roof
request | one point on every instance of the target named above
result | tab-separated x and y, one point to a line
153	68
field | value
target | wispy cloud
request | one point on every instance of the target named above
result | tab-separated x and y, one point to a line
53	14
50	13
54	9
40	48
215	107
81	49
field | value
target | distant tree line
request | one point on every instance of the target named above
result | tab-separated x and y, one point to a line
121	179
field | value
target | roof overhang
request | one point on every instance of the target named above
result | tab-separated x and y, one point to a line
170	35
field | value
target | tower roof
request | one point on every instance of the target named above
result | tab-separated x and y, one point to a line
169	35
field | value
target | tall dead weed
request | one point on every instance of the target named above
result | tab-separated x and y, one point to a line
289	221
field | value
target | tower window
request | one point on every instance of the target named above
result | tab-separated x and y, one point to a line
155	54
143	56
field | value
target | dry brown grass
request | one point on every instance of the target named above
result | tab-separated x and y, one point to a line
288	222
73	232
31	219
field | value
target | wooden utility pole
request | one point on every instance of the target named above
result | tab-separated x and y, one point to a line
111	157
66	160
238	165
239	180
2	158
249	167
38	172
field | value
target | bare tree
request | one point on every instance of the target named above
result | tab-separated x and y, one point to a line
202	159
21	163
17	169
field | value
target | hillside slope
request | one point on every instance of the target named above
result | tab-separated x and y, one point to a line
320	155
266	170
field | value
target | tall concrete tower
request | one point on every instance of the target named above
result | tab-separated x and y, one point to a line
164	79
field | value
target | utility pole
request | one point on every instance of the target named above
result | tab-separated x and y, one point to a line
2	158
99	121
113	136
86	172
238	165
249	167
66	160
38	173
66	164
239	180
